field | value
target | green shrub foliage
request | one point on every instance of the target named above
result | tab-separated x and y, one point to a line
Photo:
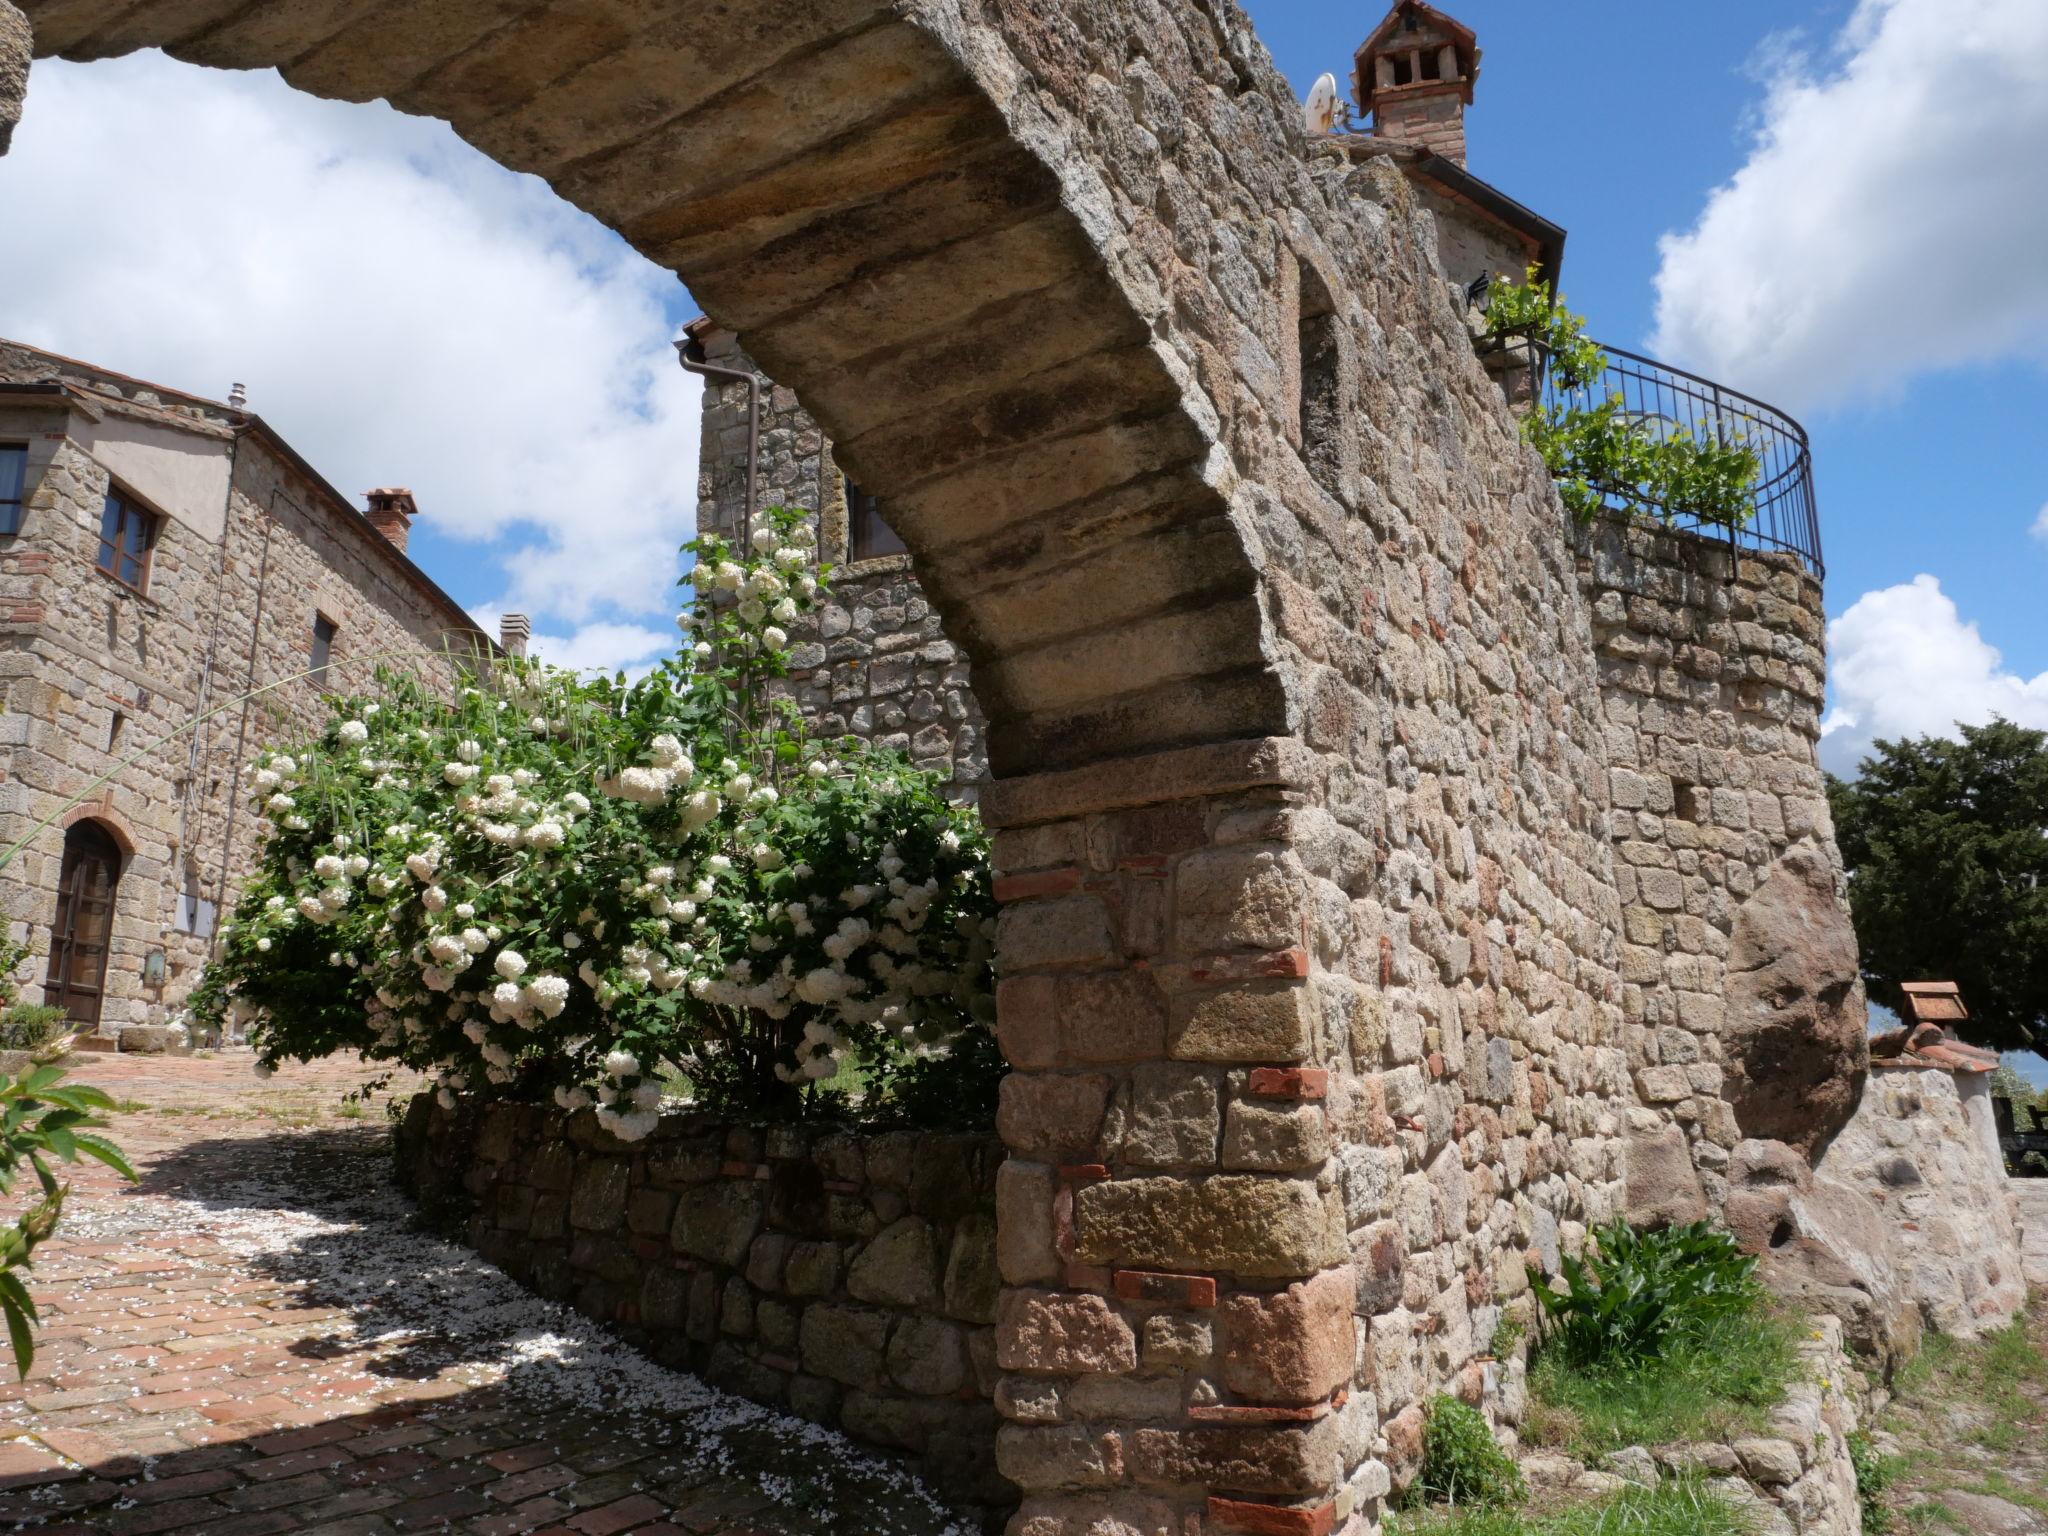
554	886
1637	1292
1461	1462
1603	456
31	1026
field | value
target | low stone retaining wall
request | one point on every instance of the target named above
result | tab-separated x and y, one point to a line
1795	1474
849	1279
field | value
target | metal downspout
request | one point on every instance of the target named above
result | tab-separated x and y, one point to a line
690	353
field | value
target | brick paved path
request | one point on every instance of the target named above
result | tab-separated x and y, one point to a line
254	1339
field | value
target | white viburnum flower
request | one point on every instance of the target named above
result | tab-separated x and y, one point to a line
354	732
510	964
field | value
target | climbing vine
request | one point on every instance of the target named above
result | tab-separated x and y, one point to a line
1604	456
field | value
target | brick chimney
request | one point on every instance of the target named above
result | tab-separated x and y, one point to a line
391	513
1414	74
514	630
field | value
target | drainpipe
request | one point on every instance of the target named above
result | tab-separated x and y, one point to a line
227	852
186	853
690	353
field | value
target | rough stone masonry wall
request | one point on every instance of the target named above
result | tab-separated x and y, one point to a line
1916	1151
1376	962
1712	679
1292	709
851	1279
874	662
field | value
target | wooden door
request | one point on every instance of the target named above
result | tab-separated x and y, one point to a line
85	923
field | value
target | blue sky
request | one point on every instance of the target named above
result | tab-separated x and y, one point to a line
1618	122
1841	208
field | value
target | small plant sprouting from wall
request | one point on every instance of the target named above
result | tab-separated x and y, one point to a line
1461	1461
1604	456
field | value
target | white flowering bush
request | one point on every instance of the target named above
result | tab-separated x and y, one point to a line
553	886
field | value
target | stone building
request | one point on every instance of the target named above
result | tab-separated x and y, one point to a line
1393	875
878	664
162	557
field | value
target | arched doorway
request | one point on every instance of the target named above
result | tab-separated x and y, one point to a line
85	921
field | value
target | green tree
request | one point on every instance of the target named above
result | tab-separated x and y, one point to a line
1947	848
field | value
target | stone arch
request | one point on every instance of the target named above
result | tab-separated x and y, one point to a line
1310	917
101	812
877	205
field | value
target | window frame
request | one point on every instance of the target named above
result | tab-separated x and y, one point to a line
148	517
15	507
320	652
864	510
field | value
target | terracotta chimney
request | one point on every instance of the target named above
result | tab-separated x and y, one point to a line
514	630
391	513
1414	74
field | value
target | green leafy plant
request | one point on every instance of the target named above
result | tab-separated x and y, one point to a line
594	890
1711	1382
30	1026
1603	456
1678	1506
1461	1461
1948	873
1875	1473
1637	1291
1508	1334
42	1117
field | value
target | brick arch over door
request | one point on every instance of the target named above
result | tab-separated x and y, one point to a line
872	203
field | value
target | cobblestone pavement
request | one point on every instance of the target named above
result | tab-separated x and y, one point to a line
255	1339
2033	1194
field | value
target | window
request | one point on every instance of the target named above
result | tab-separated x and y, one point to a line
323	647
114	727
127	535
13	477
1320	360
868	537
196	915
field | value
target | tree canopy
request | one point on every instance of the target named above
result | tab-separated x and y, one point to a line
1947	848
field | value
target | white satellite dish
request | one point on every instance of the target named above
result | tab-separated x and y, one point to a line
1320	115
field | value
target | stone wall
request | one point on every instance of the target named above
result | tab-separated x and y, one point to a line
1312	933
1916	1152
94	670
874	661
1744	1009
1793	1477
850	1279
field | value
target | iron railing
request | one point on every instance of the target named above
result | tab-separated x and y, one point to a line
1783	513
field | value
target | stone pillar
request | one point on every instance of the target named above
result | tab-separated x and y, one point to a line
1176	1334
16	49
1745	1015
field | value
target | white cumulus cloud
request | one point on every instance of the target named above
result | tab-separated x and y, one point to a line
401	308
2041	526
1904	663
1890	218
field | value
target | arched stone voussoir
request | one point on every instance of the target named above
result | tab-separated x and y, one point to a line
907	217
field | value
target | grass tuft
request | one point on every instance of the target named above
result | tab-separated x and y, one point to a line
1679	1507
1718	1381
2001	1376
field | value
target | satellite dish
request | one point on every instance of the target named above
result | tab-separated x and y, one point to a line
1320	115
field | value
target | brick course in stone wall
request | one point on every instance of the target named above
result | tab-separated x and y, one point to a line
1294	712
849	1278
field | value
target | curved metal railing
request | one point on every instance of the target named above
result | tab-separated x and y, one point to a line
1783	512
